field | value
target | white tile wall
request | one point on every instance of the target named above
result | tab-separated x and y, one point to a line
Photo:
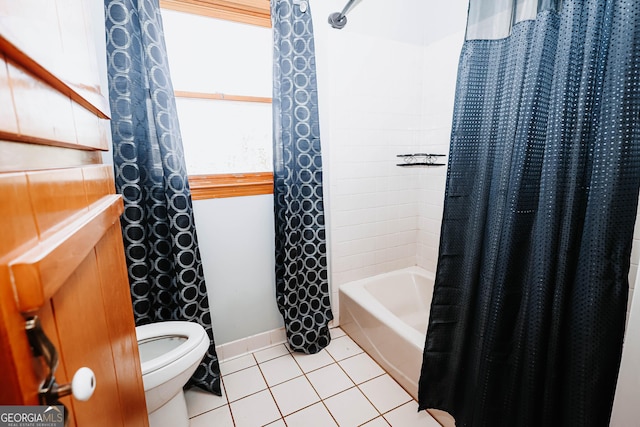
438	100
384	91
375	115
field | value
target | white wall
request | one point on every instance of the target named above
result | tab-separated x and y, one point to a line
236	237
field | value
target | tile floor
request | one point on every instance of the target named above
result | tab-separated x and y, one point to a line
339	386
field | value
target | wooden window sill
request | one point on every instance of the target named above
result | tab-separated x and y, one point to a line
255	12
221	97
230	185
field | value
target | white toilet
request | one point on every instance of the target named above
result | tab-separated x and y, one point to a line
170	352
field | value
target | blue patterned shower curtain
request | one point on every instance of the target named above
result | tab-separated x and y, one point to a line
165	269
302	287
530	298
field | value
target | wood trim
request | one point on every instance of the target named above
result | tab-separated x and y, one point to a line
254	12
39	272
221	96
230	185
99	106
19	156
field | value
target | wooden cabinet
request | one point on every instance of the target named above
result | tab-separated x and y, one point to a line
61	252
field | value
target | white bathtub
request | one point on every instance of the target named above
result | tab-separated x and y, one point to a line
387	316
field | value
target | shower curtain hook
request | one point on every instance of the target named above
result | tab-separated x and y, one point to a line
302	4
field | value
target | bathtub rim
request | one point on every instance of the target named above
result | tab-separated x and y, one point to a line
357	292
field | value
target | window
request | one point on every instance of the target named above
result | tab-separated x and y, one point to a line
220	59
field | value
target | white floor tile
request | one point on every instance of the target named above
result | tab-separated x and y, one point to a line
311	362
271	353
350	408
298	396
220	417
378	422
294	395
200	401
329	380
279	370
361	368
408	416
336	333
243	383
313	416
385	393
237	364
343	347
256	410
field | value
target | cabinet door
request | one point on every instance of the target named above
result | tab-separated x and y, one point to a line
61	253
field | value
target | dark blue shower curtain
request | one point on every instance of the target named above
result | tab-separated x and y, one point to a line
528	313
161	246
302	287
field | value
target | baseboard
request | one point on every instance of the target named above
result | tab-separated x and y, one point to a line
250	344
255	342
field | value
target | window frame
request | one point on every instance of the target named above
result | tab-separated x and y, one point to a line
216	186
253	12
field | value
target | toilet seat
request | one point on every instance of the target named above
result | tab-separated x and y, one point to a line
172	352
193	333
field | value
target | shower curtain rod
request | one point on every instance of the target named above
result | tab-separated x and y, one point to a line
339	19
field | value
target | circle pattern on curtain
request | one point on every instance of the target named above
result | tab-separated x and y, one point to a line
161	246
302	285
